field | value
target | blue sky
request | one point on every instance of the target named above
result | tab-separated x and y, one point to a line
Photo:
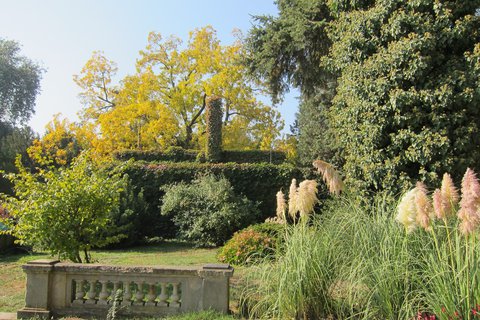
62	34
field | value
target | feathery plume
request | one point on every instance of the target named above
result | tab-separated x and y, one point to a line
281	206
307	197
469	204
292	199
446	198
438	204
449	195
330	176
407	211
423	206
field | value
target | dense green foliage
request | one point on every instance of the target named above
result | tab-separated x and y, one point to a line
258	182
286	51
252	244
253	156
64	211
407	100
213	121
178	154
173	154
19	83
207	211
388	88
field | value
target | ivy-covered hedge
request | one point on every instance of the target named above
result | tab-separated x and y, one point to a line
254	156
177	154
173	154
258	182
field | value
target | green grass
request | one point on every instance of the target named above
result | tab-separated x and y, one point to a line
12	278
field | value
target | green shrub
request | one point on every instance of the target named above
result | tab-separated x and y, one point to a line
252	244
254	156
207	211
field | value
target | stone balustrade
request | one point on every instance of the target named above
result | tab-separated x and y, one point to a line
90	290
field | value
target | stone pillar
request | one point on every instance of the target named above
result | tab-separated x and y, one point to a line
216	287
37	298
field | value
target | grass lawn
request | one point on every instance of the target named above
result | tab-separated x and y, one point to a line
12	278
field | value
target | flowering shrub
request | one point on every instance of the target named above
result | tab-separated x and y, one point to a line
247	246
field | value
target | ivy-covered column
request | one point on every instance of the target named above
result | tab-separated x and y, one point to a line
213	151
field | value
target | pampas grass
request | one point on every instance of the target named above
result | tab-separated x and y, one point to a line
307	198
292	200
469	205
281	206
330	177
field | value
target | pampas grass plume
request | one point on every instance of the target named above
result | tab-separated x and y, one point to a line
407	210
307	197
281	206
469	205
292	199
423	206
446	198
330	176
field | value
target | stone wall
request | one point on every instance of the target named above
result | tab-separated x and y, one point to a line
89	290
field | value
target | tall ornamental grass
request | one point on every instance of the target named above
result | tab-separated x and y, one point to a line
415	260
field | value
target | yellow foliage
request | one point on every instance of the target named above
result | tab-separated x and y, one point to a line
163	103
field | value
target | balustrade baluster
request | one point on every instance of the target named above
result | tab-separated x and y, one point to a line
113	294
79	293
151	295
102	297
127	294
175	298
139	295
91	292
162	297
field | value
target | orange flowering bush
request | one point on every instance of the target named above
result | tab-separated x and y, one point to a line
247	246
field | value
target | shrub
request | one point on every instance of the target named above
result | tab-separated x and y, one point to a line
252	244
207	211
65	211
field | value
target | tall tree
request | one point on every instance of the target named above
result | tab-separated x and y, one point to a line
19	83
407	100
164	102
286	51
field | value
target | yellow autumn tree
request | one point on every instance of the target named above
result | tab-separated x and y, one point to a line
61	143
164	102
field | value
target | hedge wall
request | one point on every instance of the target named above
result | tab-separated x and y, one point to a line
173	154
259	182
177	154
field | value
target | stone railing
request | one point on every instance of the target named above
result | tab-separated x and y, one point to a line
61	289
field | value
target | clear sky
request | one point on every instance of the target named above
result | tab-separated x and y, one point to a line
62	34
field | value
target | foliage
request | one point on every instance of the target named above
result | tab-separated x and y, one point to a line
64	211
388	87
251	244
163	103
213	150
19	83
62	142
171	154
178	154
258	182
286	50
406	102
253	156
95	80
207	211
